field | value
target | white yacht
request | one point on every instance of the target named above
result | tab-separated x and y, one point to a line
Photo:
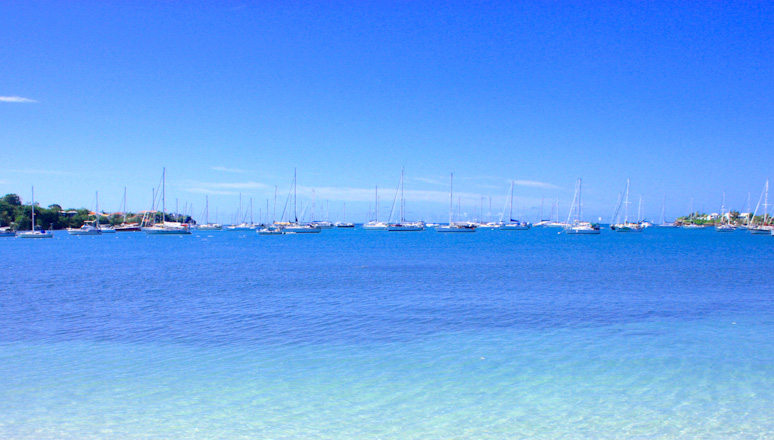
375	224
41	233
296	227
511	224
207	226
761	228
624	226
574	224
344	223
269	230
165	227
454	227
87	229
240	227
725	225
300	228
402	225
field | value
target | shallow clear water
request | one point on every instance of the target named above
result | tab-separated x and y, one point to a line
375	335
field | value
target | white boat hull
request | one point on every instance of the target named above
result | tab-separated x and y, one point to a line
375	227
77	232
167	230
405	228
582	230
512	227
301	230
36	234
626	228
455	229
84	230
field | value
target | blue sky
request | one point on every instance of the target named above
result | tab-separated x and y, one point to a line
232	96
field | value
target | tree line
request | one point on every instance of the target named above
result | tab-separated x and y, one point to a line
19	216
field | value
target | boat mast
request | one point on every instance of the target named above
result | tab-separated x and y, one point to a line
96	213
510	210
451	186
402	203
124	205
748	208
626	203
376	196
33	209
766	204
580	205
163	195
295	207
274	215
723	209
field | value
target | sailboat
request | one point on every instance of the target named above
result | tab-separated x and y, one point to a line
375	224
624	226
691	224
761	228
343	223
402	225
243	226
273	228
207	226
165	227
662	222
124	226
90	227
33	233
295	227
513	225
574	224
452	227
725	225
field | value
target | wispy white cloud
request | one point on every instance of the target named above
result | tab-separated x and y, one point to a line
230	170
430	180
17	99
535	184
346	194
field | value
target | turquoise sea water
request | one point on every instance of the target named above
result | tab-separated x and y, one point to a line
375	335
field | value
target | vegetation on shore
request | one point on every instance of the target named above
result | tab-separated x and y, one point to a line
18	216
734	218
